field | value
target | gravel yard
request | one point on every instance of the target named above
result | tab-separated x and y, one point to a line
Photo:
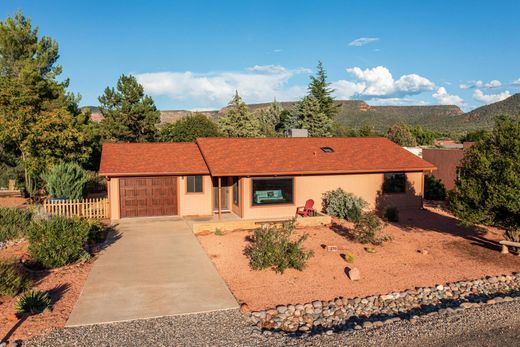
488	325
449	253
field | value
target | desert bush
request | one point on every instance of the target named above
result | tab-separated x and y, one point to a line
13	222
273	247
341	204
433	188
12	279
33	302
58	241
66	180
391	214
368	229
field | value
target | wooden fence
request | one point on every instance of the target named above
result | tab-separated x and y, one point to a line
86	208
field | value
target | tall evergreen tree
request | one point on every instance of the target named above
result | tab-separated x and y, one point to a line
320	89
129	114
313	119
35	116
239	121
270	118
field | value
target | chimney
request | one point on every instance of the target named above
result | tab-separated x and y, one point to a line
297	133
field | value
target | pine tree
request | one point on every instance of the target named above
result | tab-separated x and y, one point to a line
35	117
320	89
270	118
313	119
129	114
239	121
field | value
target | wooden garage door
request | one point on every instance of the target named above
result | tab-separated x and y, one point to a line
148	196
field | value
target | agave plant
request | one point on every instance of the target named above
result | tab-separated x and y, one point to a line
33	302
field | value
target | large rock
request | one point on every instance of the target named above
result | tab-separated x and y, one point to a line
354	274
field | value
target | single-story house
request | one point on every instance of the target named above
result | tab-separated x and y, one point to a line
256	178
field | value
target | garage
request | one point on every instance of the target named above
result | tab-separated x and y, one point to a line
148	196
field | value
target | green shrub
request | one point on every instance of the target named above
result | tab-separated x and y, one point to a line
13	222
339	203
12	279
96	230
58	241
33	302
272	247
66	180
369	229
391	214
433	188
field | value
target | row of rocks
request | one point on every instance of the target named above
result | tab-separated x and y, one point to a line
378	310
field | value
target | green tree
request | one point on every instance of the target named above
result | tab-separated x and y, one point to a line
365	131
487	190
129	114
270	118
401	134
238	120
316	122
188	129
474	136
423	136
320	89
35	117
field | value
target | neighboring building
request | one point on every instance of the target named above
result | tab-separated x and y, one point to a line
257	177
447	161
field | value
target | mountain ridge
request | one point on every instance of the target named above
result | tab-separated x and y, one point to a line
356	113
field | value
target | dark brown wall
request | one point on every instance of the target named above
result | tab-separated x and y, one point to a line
446	161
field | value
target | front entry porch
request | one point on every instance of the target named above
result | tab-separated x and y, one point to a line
230	221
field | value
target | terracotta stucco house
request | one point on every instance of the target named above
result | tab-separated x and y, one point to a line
256	178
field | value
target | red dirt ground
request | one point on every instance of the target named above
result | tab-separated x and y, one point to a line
65	286
454	253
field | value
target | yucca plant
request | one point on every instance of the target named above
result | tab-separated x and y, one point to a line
66	180
33	302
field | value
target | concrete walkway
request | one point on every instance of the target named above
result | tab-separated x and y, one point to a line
156	268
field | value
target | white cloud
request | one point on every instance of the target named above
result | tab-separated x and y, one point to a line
259	83
479	84
363	41
442	96
493	84
490	98
516	82
379	82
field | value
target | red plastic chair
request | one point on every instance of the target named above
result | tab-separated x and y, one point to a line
307	210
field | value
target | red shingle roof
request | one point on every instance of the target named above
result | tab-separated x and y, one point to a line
151	158
284	156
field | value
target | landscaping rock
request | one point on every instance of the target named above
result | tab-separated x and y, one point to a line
354	274
321	316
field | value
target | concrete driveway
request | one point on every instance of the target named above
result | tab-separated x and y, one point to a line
156	268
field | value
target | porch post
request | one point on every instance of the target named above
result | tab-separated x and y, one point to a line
219	197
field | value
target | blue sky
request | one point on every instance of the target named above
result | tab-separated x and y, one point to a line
194	54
